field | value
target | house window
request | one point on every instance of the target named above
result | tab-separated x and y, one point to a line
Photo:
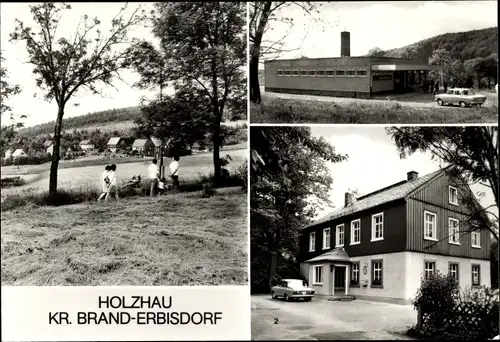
453	231
320	73
312	242
295	73
355	232
355	274
378	227
340	73
330	73
453	270
377	273
303	72
339	236
429	226
318	275
430	268
350	73
453	195
476	275
280	72
326	238
361	72
476	238
312	73
287	72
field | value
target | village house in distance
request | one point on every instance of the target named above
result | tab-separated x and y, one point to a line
345	76
379	245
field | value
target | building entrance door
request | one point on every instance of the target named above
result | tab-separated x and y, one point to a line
339	280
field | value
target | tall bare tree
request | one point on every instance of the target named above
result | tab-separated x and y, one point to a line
65	65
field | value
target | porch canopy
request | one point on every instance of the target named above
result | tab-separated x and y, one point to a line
337	254
402	67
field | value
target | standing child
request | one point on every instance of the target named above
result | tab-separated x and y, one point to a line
113	183
161	186
104	183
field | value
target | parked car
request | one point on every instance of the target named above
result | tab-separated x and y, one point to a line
292	289
462	96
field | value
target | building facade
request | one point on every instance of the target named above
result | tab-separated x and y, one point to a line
357	77
144	146
380	245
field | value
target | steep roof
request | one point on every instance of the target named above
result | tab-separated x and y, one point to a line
85	142
18	152
114	140
388	194
47	143
156	141
336	254
139	142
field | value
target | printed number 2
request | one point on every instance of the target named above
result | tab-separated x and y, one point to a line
275	321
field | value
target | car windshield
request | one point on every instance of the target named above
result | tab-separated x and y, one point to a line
297	283
470	92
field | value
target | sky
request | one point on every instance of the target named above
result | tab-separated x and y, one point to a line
19	72
374	163
385	25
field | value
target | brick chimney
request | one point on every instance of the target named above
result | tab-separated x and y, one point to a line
412	175
349	197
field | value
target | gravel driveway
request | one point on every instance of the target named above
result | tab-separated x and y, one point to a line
329	320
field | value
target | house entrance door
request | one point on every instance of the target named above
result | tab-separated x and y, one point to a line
339	280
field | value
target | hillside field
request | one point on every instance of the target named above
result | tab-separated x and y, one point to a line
180	239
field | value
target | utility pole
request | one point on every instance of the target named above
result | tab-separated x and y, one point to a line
162	168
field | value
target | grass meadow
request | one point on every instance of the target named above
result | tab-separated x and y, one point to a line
181	239
286	110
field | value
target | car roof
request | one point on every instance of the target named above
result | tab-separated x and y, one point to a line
459	88
291	279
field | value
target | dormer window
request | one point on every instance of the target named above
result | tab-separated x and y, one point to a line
326	238
452	195
312	242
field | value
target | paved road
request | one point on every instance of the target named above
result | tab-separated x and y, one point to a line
491	100
326	320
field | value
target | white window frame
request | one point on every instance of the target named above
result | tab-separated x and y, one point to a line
312	237
353	242
337	235
298	73
324	73
290	70
450	188
477	234
277	72
375	270
303	70
355	272
434	227
430	262
326	242
308	71
346	70
339	75
315	282
456	275
478	275
366	75
451	237
374	238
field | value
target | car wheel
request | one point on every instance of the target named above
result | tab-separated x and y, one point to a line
286	298
440	102
273	296
463	104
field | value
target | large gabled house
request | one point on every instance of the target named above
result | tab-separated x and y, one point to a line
379	245
114	144
18	153
87	145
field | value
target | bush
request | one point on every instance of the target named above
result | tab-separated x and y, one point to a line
436	293
10	182
208	190
242	175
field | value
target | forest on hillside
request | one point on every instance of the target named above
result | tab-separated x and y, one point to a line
466	58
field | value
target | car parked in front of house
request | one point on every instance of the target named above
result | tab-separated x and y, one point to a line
290	289
463	97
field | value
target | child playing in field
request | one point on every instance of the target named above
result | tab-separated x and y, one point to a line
113	183
104	183
161	186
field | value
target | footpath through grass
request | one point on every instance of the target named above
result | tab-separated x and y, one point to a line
282	110
181	239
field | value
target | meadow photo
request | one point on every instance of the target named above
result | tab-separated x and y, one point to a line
124	144
409	62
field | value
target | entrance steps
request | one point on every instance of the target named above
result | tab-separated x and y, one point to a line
341	297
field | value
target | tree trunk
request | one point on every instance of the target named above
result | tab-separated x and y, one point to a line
55	152
216	153
274	266
255	53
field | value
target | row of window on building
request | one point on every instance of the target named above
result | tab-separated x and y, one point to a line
377	232
324	73
377	273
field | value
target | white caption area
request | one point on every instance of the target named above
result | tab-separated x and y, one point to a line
224	312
